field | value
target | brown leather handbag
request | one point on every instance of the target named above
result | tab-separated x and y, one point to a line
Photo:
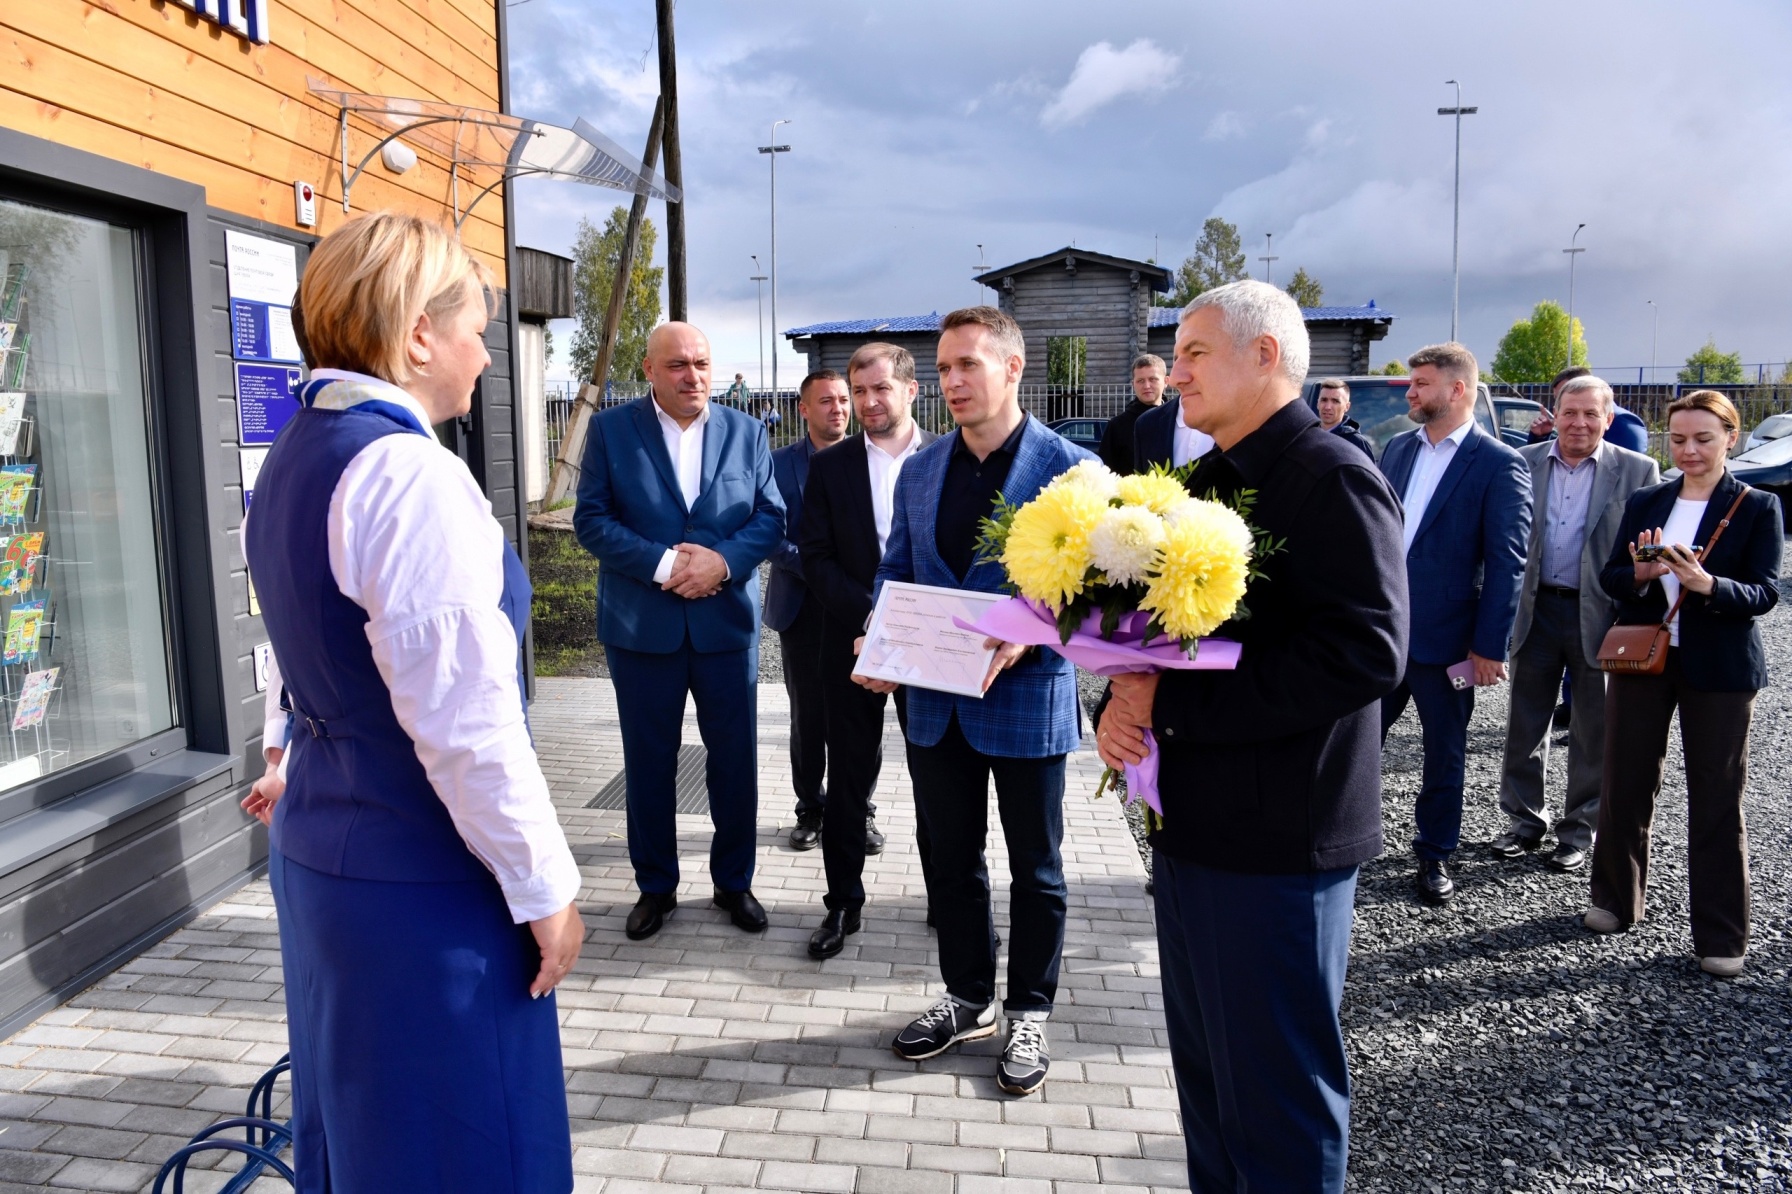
1642	650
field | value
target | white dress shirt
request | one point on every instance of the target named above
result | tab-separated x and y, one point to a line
1681	530
685	446
885	468
273	717
1427	470
413	542
1187	444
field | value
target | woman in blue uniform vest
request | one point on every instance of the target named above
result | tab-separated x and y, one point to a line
424	888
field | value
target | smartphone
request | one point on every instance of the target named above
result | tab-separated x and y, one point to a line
1650	553
1462	675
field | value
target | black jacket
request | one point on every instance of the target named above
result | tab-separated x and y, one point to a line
1116	439
1275	768
1349	430
1720	645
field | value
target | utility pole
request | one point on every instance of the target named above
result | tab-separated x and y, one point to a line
774	149
675	266
572	443
1268	259
1654	331
1572	254
1456	218
980	269
760	278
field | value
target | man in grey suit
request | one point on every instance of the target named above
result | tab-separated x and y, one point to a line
1579	484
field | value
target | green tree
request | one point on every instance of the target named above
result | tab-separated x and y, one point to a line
1066	360
1218	259
1711	366
595	253
1536	349
547	346
1393	369
1305	289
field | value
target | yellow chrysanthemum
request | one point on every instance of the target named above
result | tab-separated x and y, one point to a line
1205	565
1154	491
1047	554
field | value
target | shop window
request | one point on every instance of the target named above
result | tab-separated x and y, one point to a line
84	668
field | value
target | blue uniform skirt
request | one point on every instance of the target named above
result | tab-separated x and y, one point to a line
419	1062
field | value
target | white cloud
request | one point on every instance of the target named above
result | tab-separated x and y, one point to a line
1227	126
1104	74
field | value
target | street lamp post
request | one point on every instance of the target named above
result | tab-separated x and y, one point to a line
1268	259
760	278
1456	218
1572	252
1654	331
774	149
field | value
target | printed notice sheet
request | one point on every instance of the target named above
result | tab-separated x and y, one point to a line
912	639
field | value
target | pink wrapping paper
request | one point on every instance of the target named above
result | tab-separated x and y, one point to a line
1018	620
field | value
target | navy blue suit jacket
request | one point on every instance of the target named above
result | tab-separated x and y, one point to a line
1466	564
630	511
1031	711
1154	436
786	589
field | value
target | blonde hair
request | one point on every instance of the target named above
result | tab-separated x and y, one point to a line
1712	401
1451	359
366	283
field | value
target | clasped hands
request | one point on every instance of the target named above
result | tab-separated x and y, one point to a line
1120	738
1006	656
697	571
1677	558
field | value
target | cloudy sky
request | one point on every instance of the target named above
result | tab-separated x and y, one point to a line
924	129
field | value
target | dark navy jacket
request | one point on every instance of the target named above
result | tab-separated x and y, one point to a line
1720	644
785	589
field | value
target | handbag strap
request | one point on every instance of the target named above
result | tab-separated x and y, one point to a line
1704	551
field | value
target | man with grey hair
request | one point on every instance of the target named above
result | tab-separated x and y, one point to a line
1579	484
1116	450
1270	774
1468	512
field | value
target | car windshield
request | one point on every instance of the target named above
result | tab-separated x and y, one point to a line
1517	414
1774	426
1774	451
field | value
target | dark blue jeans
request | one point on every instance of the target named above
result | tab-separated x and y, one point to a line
1443	713
952	799
1253	972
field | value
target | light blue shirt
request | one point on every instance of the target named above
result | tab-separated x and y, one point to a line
1428	467
1565	517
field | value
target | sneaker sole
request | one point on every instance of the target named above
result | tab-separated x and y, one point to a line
975	1034
1019	1090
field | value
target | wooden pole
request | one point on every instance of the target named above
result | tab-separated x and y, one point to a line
591	394
676	307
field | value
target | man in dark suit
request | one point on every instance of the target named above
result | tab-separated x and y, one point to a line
1018	732
1270	775
1467	501
677	502
1579	484
1116	450
846	522
825	410
1334	414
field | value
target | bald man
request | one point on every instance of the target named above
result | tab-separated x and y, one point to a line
677	502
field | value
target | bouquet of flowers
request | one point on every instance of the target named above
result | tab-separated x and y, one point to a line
1124	574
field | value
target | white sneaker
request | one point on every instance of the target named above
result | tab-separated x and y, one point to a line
1599	920
1722	967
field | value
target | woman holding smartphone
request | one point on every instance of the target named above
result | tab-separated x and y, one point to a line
1711	544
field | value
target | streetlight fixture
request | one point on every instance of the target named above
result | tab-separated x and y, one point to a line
774	149
1456	218
760	278
1268	259
1572	252
1654	331
982	267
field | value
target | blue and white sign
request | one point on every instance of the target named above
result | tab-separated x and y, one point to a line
266	400
262	332
247	17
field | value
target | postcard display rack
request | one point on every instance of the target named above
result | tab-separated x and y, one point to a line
30	676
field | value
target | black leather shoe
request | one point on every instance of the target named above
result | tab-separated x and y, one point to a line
742	909
874	841
649	915
1511	844
1566	858
831	937
1433	881
807	834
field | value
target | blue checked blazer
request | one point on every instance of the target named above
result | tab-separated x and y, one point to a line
1031	711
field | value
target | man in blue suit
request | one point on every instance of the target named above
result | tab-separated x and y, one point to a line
677	502
1467	507
825	407
1019	731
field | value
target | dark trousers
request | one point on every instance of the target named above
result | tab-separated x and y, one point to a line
855	727
1553	643
1253	973
951	782
1443	715
1714	741
650	696
799	645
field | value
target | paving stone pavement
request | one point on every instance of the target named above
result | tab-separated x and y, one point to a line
701	1060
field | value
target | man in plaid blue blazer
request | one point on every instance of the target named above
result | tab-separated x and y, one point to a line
1019	731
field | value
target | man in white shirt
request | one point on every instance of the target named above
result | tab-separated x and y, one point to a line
847	507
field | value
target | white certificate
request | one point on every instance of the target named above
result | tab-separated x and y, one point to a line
912	639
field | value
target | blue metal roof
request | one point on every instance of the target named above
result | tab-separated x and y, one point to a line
1166	317
861	327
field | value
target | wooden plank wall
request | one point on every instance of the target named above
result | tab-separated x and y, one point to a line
833	352
1099	302
150	83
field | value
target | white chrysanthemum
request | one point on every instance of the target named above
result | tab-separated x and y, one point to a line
1093	476
1125	544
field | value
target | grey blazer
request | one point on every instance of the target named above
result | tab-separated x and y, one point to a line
1619	473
